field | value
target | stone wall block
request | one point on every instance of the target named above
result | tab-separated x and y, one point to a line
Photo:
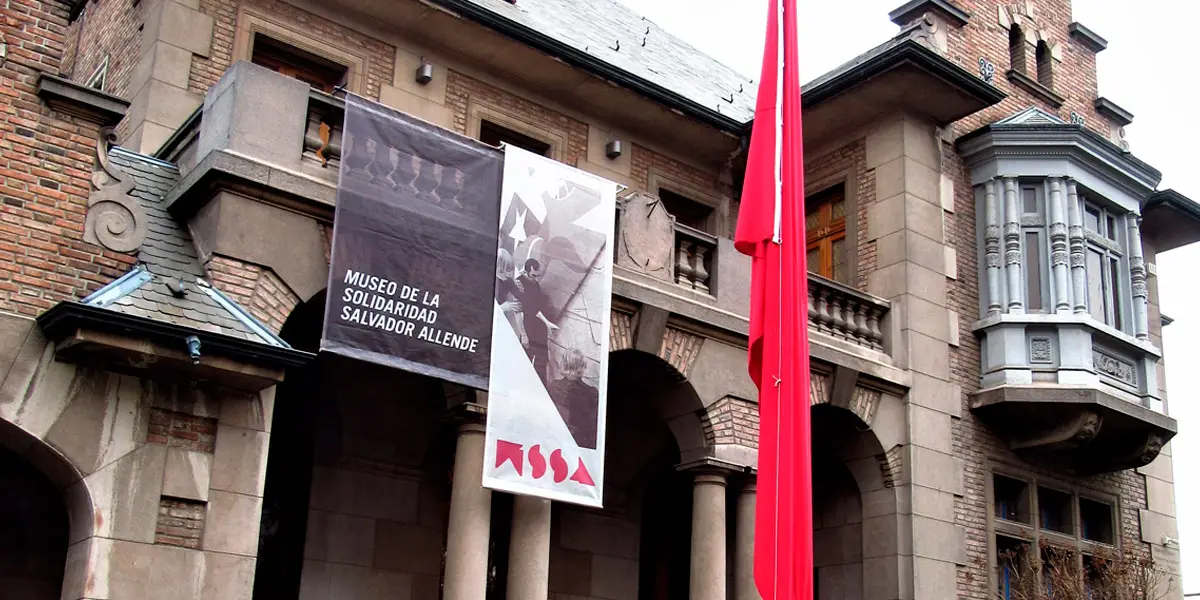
239	463
187	474
232	525
179	25
125	494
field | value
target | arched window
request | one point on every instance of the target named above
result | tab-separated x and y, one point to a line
1016	49
1045	64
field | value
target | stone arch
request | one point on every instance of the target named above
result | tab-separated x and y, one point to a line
676	402
62	509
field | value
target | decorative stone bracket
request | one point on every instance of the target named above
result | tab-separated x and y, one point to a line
114	219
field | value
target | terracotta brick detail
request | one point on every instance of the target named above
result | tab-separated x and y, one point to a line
180	523
620	336
731	420
258	289
891	464
680	349
181	430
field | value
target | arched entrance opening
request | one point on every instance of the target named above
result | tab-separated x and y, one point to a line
33	531
846	457
638	545
357	488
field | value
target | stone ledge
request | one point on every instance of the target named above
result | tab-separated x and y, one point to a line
1090	39
72	98
1081	428
1109	109
223	169
913	9
1033	87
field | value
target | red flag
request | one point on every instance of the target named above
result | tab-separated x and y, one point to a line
771	230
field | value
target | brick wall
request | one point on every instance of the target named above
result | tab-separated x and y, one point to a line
181	430
1074	76
257	289
180	523
206	71
106	28
45	167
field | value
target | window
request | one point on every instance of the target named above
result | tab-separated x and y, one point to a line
1011	498
1096	520
1045	64
1106	276
825	220
1016	49
1033	237
318	72
1055	512
696	215
494	135
1068	531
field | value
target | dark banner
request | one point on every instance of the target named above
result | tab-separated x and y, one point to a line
413	268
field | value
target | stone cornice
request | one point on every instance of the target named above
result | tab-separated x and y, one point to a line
905	13
82	101
1088	38
1072	142
1109	109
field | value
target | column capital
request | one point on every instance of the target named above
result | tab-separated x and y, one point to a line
711	470
468	416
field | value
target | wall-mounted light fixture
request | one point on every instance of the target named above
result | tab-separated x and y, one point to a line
424	72
613	149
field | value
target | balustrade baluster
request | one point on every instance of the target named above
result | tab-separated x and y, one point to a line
701	273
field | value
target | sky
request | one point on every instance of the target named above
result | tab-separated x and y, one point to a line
1134	72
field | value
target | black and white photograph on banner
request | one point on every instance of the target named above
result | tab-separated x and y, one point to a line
550	338
414	238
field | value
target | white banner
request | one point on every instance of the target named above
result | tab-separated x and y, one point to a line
549	362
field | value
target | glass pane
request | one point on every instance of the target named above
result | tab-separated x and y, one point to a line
1033	270
1095	282
814	260
1091	219
839	209
1055	511
839	260
1114	291
812	220
1111	230
1029	197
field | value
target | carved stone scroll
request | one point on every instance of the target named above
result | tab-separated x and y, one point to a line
114	219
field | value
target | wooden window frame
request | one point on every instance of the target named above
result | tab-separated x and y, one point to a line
829	231
300	64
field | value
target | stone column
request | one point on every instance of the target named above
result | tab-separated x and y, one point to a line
991	242
743	543
1075	235
1058	247
470	519
1137	272
708	535
1012	247
529	549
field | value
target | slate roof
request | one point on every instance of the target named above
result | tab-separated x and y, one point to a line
166	258
598	26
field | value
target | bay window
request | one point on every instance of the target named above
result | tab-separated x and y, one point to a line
1106	276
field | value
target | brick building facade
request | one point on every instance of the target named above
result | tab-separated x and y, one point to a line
986	340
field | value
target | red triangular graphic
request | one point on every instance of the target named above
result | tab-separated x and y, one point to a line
582	476
509	452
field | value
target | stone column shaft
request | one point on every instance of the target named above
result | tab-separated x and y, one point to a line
991	242
1137	272
1058	247
708	537
470	520
529	549
1012	247
1075	235
743	559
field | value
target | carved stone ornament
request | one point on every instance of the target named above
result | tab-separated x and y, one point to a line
1040	350
114	220
647	238
1114	367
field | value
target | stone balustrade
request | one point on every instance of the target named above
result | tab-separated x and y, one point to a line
323	130
844	313
694	252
